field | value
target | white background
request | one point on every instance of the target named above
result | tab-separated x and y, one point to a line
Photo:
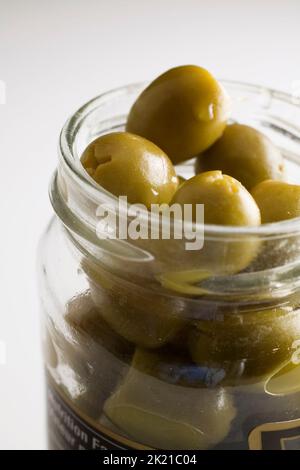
55	55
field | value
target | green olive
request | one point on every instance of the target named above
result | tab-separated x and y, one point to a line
89	329
277	200
142	316
129	165
244	153
164	415
183	111
226	201
263	339
91	357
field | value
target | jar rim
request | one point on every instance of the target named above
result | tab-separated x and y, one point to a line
71	161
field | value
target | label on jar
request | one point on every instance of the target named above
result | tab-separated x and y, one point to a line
276	436
70	429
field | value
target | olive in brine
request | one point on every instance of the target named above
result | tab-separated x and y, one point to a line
157	412
263	339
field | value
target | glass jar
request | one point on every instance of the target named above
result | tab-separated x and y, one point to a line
144	351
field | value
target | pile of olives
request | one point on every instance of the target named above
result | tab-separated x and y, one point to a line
186	391
240	175
182	114
173	390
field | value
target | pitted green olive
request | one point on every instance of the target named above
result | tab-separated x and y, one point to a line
88	328
164	415
244	153
183	111
141	316
263	339
226	201
277	200
129	165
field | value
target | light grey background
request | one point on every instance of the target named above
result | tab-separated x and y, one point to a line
55	55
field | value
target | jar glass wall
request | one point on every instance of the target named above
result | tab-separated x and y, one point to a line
148	345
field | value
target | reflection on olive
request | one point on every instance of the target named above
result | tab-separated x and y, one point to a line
164	415
244	153
128	165
183	111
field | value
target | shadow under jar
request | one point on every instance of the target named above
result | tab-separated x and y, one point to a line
143	351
